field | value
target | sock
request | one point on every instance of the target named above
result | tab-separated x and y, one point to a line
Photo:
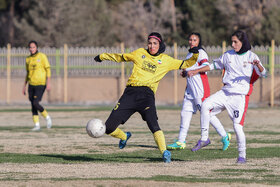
241	140
205	120
186	117
45	113
215	122
160	140
118	133
36	120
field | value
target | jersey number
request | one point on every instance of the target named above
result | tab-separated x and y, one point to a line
236	113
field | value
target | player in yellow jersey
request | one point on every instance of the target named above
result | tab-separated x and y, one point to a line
38	78
150	66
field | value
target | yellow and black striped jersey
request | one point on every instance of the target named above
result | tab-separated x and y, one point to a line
38	69
148	70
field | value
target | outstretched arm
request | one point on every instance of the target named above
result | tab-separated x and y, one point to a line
196	71
116	57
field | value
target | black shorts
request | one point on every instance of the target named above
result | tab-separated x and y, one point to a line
36	92
134	99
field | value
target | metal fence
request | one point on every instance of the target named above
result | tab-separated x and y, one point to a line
80	61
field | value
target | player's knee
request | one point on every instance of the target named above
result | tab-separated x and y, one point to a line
206	106
153	125
237	127
36	104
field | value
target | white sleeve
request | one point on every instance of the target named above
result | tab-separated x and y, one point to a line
203	58
218	63
211	66
263	73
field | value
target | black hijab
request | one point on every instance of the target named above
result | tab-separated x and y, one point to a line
200	41
242	36
33	41
158	37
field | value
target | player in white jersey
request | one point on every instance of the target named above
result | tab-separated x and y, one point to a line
196	91
242	68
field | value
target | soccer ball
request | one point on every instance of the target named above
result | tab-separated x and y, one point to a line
95	128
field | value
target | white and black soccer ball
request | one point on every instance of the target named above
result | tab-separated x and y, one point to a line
95	128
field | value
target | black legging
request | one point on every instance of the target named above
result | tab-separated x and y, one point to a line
35	96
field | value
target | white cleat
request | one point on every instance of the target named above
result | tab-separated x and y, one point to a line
49	122
36	128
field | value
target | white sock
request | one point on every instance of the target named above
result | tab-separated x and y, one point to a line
48	117
205	120
241	139
186	117
215	122
37	124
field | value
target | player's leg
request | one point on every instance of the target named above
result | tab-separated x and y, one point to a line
39	91
241	142
186	116
149	115
237	108
226	137
119	115
35	116
216	100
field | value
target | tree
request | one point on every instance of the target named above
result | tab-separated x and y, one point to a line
251	16
134	20
77	23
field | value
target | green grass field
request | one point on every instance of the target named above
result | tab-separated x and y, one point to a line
66	156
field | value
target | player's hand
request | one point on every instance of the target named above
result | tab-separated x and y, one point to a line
97	59
192	73
183	73
48	87
24	90
255	62
193	50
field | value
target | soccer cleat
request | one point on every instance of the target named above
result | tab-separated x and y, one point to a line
201	144
36	128
241	160
49	122
122	143
166	156
226	141
177	145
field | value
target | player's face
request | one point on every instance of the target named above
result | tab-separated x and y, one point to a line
193	41
32	48
153	46
236	43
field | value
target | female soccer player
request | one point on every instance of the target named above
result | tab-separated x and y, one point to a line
196	91
150	66
242	68
38	78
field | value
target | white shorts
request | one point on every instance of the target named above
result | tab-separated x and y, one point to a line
236	105
191	105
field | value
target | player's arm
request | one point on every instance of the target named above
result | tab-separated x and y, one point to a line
183	64
116	57
199	70
26	79
259	67
48	72
217	64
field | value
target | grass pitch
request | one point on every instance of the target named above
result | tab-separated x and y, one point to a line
66	156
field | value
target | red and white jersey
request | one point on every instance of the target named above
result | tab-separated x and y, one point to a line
198	86
240	74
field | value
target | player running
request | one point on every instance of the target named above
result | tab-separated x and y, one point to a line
38	77
197	90
150	66
242	68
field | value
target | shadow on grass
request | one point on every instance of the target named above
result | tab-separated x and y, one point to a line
106	158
